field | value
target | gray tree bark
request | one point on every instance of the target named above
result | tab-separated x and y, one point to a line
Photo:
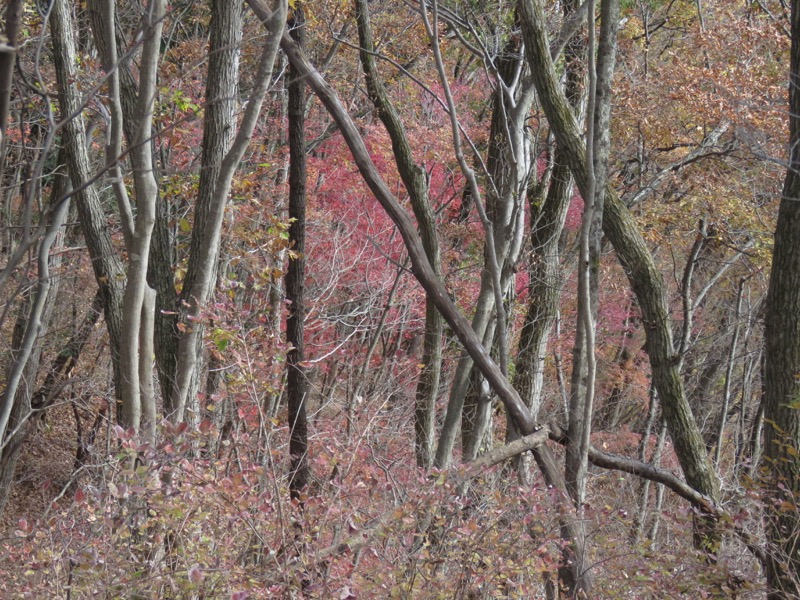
139	230
8	54
16	401
219	130
35	322
108	269
508	167
548	215
108	39
598	145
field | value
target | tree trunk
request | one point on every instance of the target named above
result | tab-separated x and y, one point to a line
463	374
222	104
782	363
640	521
548	216
545	285
133	361
726	392
147	353
8	56
416	184
297	373
34	324
508	166
18	399
107	267
124	93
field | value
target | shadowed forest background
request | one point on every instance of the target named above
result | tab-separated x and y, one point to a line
397	299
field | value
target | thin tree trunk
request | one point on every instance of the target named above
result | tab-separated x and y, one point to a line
297	373
124	92
35	323
477	406
13	20
742	460
653	532
415	180
461	379
18	397
146	188
544	288
598	146
508	166
147	354
637	531
757	436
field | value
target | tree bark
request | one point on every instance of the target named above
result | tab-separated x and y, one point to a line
548	216
146	355
107	267
221	105
782	363
508	167
123	95
545	285
132	360
726	392
416	184
18	398
8	54
297	375
35	322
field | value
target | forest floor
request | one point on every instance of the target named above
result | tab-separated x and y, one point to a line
45	472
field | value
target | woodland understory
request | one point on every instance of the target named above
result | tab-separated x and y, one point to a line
400	299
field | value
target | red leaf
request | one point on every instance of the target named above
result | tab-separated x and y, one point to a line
195	575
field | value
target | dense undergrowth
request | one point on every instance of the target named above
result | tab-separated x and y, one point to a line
206	515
